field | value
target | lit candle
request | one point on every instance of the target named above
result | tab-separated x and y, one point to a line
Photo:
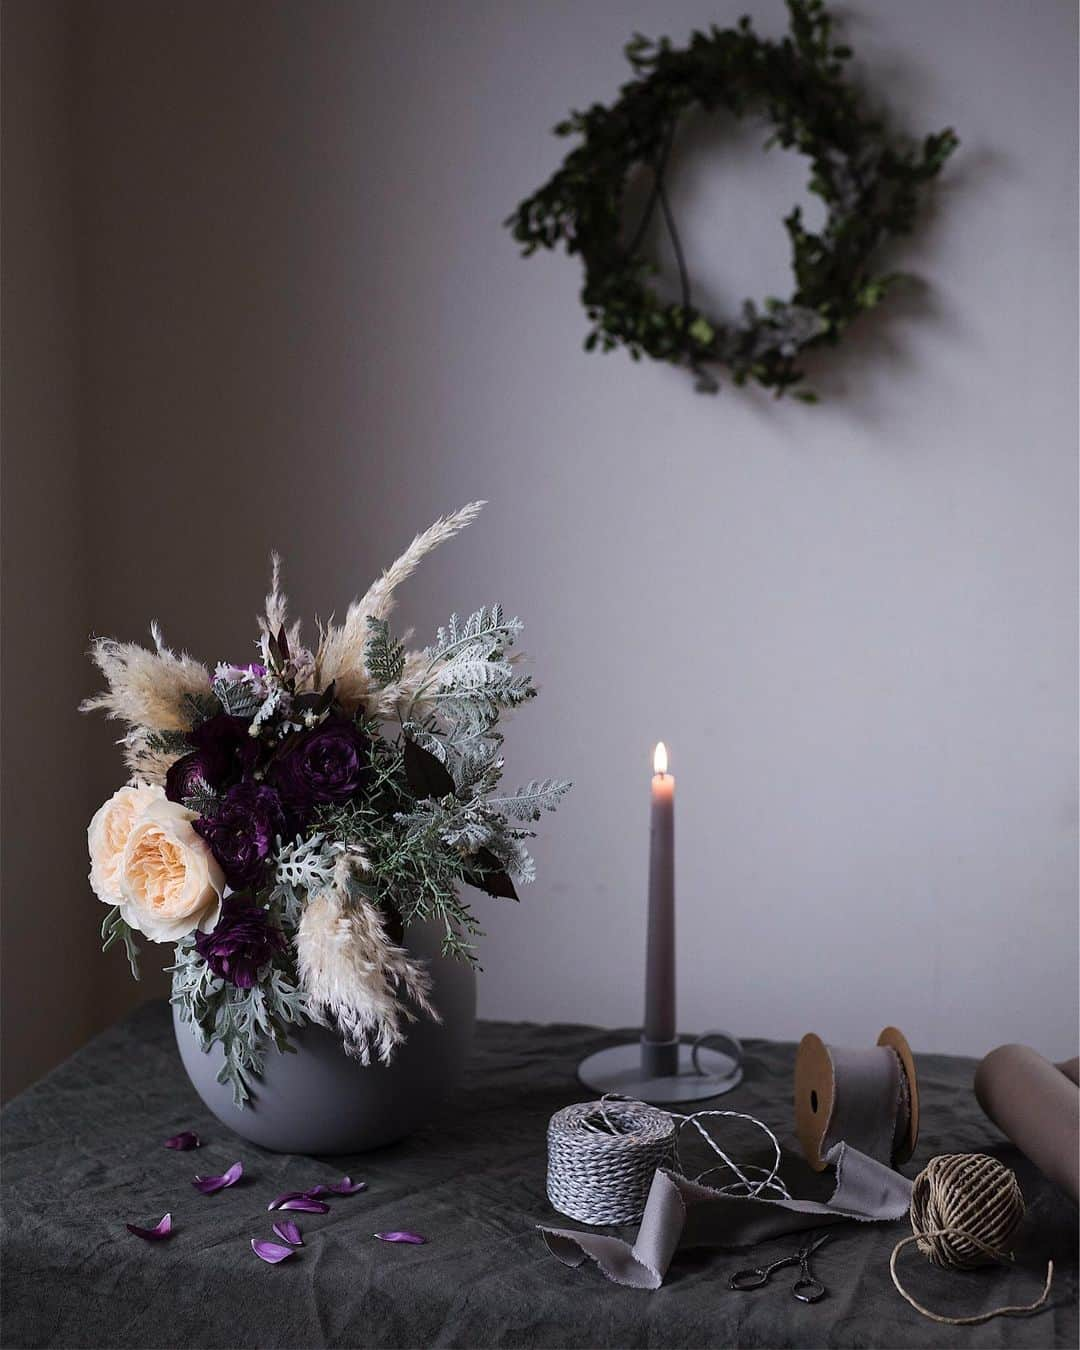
660	951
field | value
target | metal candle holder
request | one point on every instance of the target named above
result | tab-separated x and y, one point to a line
666	1072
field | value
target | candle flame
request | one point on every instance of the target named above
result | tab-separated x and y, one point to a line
659	759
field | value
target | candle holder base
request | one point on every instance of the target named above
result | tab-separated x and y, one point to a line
700	1072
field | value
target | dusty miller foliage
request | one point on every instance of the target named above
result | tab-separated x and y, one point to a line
243	1021
429	827
869	182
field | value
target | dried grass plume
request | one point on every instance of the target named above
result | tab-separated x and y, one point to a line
353	975
341	654
147	689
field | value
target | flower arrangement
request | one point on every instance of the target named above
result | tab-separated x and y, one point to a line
287	819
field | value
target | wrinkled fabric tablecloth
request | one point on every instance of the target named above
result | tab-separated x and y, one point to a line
83	1154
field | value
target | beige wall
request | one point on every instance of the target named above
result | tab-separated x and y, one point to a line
855	625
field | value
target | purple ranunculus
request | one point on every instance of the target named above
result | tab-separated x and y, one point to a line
242	833
242	942
224	752
326	765
228	737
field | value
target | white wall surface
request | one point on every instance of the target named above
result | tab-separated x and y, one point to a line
854	625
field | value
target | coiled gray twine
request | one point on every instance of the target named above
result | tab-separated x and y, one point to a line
602	1157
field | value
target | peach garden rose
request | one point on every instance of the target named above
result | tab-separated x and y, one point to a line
170	882
108	834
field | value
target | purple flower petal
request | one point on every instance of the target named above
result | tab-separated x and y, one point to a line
304	1205
346	1186
320	1189
155	1234
270	1252
208	1185
182	1142
400	1237
288	1232
279	1200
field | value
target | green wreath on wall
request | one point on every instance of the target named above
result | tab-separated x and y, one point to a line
870	185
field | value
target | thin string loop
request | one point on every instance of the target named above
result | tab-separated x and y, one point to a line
1009	1310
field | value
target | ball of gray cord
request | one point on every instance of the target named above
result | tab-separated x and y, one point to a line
602	1156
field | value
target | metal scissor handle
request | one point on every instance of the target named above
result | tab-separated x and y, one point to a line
756	1276
807	1289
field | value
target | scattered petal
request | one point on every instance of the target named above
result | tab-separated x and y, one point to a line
155	1234
270	1252
400	1237
279	1200
302	1203
346	1186
288	1232
208	1185
182	1142
320	1189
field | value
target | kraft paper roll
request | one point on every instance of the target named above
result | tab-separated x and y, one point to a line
1037	1104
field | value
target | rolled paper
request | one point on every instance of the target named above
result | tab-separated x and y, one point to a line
1037	1104
684	1213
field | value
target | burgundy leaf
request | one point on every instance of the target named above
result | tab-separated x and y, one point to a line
270	1252
304	1205
400	1237
155	1234
346	1186
288	1232
208	1185
182	1142
426	775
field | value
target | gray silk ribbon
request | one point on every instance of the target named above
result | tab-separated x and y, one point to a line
870	1109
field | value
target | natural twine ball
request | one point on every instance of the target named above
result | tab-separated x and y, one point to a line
964	1209
602	1157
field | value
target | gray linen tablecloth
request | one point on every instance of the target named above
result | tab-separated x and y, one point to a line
83	1155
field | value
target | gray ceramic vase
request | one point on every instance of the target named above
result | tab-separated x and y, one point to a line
320	1101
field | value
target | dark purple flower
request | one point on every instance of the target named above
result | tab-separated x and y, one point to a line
224	752
189	773
242	942
242	832
328	764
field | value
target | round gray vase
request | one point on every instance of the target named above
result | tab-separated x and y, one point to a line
321	1101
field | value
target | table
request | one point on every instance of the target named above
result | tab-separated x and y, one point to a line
82	1155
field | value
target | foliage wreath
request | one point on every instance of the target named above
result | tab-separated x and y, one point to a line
870	186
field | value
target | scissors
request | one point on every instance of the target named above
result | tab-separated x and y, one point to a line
806	1288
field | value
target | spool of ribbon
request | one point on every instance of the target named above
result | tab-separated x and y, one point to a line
867	1098
874	1095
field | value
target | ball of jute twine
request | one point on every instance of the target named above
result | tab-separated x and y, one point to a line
964	1209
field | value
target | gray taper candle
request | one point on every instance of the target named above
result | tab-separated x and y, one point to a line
660	1039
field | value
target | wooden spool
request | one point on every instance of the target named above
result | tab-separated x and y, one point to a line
816	1089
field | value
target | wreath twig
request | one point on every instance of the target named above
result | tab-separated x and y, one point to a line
870	185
